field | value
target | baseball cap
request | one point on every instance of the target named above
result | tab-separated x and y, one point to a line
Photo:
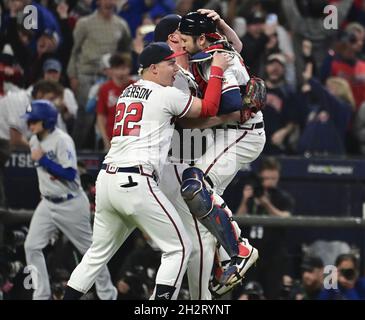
50	32
167	25
255	17
278	57
155	53
311	262
52	64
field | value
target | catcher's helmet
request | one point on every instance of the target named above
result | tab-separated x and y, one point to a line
42	110
195	24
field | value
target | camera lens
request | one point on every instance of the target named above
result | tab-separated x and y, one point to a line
349	274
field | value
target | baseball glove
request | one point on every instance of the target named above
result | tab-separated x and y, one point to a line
254	98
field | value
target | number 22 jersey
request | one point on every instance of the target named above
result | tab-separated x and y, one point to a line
144	123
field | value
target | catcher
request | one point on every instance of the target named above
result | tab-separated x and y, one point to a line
235	146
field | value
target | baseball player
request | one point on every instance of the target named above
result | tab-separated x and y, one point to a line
235	145
127	194
64	204
203	242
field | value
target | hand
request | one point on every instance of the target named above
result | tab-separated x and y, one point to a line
212	14
278	137
247	192
269	29
15	7
8	71
36	154
263	200
62	10
221	60
307	48
123	287
308	72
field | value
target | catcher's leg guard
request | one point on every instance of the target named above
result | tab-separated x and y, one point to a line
200	204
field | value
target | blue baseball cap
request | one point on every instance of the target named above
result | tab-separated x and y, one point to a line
166	26
157	52
52	64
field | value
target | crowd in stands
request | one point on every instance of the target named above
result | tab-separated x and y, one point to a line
314	75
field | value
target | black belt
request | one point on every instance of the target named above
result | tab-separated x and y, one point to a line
258	125
113	169
60	199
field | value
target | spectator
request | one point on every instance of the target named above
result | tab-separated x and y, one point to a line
251	291
255	41
312	278
329	110
344	62
262	196
359	128
281	109
10	73
137	276
94	35
45	48
52	70
305	19
13	106
45	19
103	76
108	95
139	42
350	285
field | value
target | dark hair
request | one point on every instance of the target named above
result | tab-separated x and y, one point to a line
345	257
47	86
120	59
270	163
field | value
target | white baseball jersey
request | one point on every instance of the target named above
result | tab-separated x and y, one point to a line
60	148
184	81
144	124
12	107
234	76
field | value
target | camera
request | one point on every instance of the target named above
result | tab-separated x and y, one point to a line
58	290
9	266
16	238
348	274
255	182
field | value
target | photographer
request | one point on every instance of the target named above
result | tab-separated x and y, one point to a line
350	285
261	196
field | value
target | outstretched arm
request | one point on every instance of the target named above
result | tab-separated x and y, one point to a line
224	28
200	123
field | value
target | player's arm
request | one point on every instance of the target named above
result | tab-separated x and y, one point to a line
63	171
209	122
224	28
56	169
209	105
231	100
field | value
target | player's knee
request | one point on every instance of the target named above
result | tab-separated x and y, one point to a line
195	194
193	173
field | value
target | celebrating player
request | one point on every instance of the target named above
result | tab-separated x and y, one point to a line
203	242
235	145
127	194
